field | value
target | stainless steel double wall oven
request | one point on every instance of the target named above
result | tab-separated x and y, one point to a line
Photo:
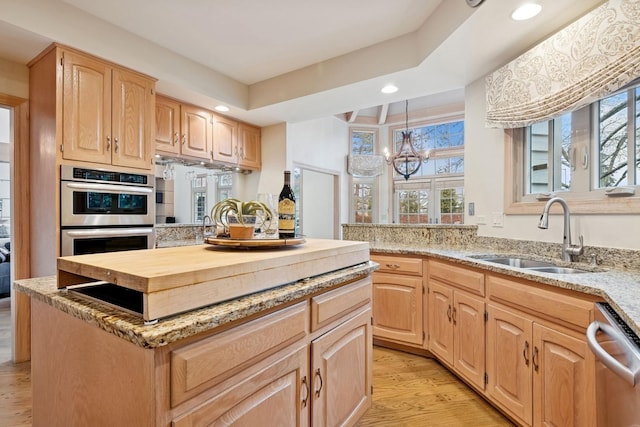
105	211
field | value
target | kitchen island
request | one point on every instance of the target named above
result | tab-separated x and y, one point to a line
296	353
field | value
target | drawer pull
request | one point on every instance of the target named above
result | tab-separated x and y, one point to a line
449	313
318	375
393	266
305	386
525	352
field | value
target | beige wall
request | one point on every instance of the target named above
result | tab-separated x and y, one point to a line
14	79
484	179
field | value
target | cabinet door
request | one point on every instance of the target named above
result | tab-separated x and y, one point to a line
509	359
397	307
563	379
86	109
132	118
469	337
167	125
341	371
249	147
441	321
196	129
277	395
225	140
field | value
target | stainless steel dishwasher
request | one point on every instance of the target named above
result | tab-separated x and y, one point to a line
617	351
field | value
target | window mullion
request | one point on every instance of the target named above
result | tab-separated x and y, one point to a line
631	136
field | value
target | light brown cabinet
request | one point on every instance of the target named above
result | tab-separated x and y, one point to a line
306	364
457	320
183	130
168	118
541	373
398	310
194	132
107	113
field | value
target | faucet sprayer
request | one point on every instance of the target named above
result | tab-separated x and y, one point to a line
569	251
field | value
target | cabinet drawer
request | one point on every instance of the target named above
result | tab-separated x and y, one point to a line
401	265
460	277
203	364
541	302
332	305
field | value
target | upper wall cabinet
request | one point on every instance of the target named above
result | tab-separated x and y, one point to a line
188	131
107	113
183	130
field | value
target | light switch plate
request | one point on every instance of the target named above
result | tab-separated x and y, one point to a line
497	219
481	219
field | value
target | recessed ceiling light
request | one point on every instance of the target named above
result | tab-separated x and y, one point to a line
526	11
389	89
222	108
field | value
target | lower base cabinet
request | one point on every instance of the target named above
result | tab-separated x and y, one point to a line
539	372
306	364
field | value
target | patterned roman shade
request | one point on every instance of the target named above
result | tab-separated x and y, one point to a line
588	60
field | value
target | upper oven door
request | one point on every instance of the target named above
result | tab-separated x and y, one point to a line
96	204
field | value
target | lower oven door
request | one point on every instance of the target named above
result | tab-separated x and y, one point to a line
98	240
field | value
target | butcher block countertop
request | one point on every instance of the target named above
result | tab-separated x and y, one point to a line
167	281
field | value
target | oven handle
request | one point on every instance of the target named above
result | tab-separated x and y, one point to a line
629	374
109	188
109	233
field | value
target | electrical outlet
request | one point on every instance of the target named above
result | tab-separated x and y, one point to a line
497	219
481	219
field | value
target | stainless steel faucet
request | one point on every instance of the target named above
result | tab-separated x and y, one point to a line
569	251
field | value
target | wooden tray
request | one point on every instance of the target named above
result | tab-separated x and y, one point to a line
253	243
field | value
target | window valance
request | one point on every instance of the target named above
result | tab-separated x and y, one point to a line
588	60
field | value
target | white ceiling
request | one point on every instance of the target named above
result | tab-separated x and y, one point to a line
291	60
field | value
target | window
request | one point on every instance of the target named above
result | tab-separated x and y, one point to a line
581	155
363	190
435	194
199	197
224	186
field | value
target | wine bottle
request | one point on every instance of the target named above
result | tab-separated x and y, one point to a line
286	210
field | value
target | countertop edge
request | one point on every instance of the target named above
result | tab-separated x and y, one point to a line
181	326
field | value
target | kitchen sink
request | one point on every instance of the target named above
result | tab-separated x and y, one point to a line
531	264
517	262
558	270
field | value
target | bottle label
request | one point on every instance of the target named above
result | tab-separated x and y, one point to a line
286	215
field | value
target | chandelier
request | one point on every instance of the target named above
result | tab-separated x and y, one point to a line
407	161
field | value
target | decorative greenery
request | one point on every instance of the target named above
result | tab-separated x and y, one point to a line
220	211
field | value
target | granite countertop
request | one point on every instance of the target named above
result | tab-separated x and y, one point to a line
178	327
620	288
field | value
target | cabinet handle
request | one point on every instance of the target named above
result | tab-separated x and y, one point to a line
525	352
449	313
318	375
306	391
534	358
108	143
115	140
184	139
455	311
176	138
392	266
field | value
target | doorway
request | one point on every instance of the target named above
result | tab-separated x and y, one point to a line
319	210
6	131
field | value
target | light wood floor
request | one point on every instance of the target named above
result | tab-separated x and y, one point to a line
408	391
416	391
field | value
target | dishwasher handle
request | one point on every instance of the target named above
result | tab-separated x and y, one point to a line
631	374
